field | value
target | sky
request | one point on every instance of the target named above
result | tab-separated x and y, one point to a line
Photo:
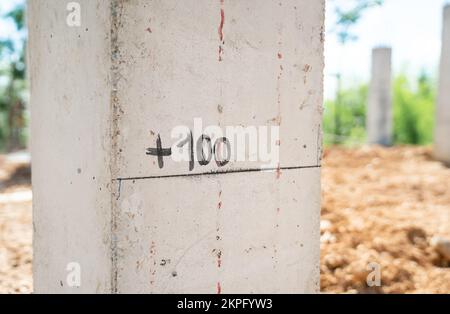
411	27
6	27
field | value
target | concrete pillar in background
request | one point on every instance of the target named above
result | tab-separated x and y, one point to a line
442	125
379	110
118	90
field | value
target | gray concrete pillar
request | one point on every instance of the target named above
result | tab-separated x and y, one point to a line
134	190
442	125
379	109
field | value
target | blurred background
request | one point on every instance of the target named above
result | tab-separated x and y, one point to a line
413	29
385	206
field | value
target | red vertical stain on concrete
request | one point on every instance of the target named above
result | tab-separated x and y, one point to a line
152	248
218	237
278	171
222	22
220	53
152	268
278	89
220	30
219	259
280	75
219	288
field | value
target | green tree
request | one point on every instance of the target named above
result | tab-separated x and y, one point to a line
352	116
346	19
12	71
413	109
413	112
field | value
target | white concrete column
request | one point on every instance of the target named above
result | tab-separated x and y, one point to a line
114	98
379	109
442	125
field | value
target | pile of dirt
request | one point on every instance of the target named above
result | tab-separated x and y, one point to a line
15	227
380	210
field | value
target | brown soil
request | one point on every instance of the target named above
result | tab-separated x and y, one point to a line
383	206
379	206
15	228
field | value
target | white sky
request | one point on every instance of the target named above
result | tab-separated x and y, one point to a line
5	6
411	27
8	29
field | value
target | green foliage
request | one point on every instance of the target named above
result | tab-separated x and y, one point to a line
345	117
18	16
12	79
349	17
413	110
413	113
6	46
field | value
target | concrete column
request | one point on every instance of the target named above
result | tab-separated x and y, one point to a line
379	110
442	125
115	98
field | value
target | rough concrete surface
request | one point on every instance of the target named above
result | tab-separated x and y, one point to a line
134	71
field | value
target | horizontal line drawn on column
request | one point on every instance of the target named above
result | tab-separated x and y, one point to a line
215	173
